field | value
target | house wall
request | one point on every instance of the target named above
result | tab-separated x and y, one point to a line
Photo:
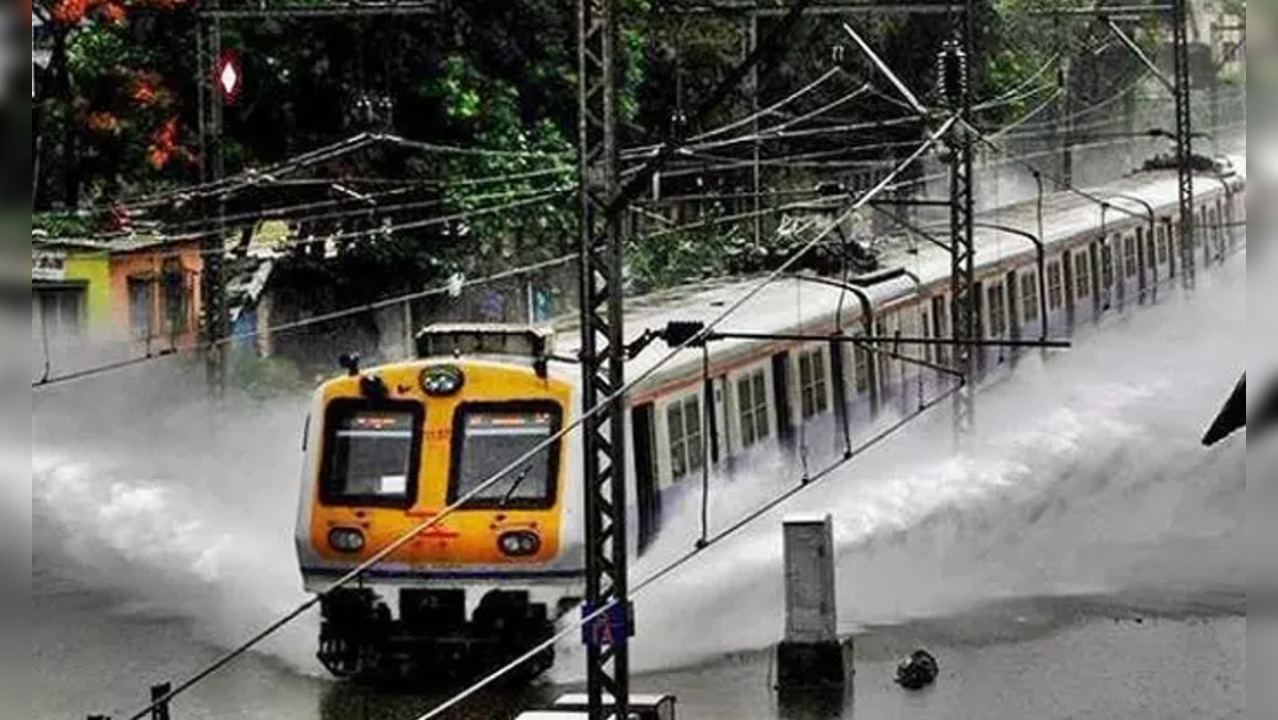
149	266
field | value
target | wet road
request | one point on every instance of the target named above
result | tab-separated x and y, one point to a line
1088	560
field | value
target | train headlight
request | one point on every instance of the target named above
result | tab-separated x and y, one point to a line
346	540
519	544
442	381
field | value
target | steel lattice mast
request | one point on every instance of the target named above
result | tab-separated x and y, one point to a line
602	361
1184	138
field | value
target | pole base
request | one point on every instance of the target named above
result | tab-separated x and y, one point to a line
810	665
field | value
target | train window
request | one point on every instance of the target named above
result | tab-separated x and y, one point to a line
687	445
813	385
752	408
1029	298
1055	286
1130	266
372	453
1160	245
1083	274
487	438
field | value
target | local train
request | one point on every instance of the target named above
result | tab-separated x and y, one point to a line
388	448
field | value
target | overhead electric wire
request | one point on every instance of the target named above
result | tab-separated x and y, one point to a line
586	414
1051	61
286	213
768	110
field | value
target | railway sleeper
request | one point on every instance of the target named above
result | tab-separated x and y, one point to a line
431	641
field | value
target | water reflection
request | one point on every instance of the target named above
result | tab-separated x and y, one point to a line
818	703
347	701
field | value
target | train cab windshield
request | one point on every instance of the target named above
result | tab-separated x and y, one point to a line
372	452
491	437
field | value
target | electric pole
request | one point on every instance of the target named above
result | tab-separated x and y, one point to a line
956	88
1184	139
602	365
212	280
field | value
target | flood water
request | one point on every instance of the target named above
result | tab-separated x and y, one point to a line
1087	559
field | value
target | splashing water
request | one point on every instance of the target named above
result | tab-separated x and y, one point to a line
167	527
1087	478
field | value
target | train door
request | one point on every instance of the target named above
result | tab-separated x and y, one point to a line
1200	235
1148	266
1131	267
647	494
1071	290
1056	312
1167	230
720	443
1013	285
996	314
1109	293
978	312
941	327
1093	261
1031	305
781	387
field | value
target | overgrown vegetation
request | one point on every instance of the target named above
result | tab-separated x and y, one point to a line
119	120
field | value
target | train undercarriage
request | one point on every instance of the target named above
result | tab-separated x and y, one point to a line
432	641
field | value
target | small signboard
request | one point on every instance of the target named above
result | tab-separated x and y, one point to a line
48	266
613	627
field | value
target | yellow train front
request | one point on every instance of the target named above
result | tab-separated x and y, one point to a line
389	448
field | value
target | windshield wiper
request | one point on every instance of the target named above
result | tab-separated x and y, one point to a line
523	475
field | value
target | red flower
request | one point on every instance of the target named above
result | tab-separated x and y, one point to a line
70	12
103	122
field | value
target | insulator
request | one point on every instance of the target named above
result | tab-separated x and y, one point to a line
951	73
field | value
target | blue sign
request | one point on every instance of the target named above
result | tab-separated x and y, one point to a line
611	628
543	306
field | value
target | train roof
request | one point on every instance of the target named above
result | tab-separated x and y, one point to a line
799	306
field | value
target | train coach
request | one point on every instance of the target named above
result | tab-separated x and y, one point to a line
389	448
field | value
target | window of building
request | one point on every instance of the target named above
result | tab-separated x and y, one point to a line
1029	298
687	445
59	311
1055	285
1130	261
140	305
1083	274
752	408
812	383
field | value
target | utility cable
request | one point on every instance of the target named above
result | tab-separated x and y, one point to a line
771	109
586	415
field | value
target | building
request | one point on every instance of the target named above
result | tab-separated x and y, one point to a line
140	292
155	291
70	288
